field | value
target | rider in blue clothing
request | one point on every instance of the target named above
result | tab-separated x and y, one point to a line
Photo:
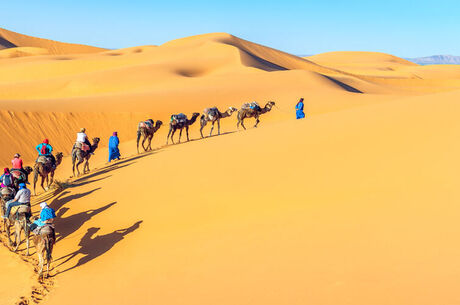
45	149
47	216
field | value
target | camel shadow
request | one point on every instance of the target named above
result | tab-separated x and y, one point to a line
62	199
70	224
201	139
111	167
93	247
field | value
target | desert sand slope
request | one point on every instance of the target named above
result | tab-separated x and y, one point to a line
391	71
353	207
54	96
10	39
16	277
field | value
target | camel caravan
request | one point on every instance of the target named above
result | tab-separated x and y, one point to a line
146	129
15	196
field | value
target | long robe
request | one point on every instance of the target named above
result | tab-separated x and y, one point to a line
114	152
299	111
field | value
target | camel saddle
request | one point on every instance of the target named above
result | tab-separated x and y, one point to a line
82	146
47	229
7	191
17	174
146	124
212	113
179	118
44	160
20	209
251	105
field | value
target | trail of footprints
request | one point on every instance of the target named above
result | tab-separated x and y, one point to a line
41	288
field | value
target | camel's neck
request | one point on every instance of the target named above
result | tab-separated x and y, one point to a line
266	109
192	120
94	146
225	114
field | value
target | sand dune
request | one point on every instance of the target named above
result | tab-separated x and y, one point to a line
9	39
354	205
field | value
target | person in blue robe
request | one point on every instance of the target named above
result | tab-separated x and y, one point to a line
114	152
299	110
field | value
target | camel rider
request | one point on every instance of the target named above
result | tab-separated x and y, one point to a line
45	149
6	180
22	198
18	165
47	216
82	138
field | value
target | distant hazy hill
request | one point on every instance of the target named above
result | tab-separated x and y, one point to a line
437	60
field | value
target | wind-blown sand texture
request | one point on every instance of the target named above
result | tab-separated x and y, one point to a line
357	204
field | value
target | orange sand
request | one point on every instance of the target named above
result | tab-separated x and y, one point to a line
355	205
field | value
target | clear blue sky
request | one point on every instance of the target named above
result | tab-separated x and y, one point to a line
405	28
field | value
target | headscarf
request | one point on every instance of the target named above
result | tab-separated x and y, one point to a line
22	186
115	134
82	129
6	170
46	141
43	205
17	155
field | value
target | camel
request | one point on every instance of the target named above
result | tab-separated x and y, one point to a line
180	123
81	155
147	133
44	242
214	115
45	170
21	177
18	218
246	112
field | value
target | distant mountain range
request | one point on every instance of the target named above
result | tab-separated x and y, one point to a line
436	60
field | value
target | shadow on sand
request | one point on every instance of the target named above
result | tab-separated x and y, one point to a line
93	247
70	224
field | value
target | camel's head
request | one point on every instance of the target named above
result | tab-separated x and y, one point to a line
158	123
232	109
28	169
195	115
270	104
96	141
59	156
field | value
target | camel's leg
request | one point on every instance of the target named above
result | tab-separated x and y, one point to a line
149	147
42	182
51	178
242	124
212	128
86	166
180	134
40	259
26	234
8	233
203	123
17	235
35	184
169	133
218	126
186	130
257	121
172	135
143	142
